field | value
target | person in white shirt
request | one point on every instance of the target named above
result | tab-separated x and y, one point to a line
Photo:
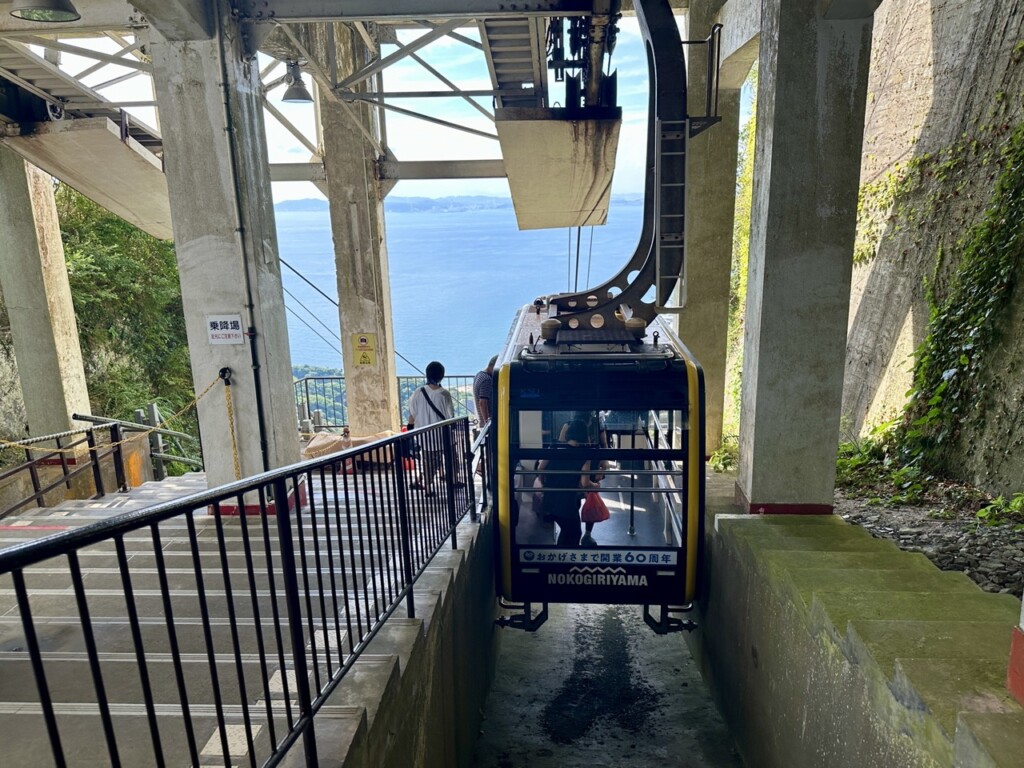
428	405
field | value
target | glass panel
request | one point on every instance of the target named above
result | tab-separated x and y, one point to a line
633	459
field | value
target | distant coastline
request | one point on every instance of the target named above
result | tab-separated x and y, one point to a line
461	204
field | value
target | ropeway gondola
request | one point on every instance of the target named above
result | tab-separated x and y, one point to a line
596	394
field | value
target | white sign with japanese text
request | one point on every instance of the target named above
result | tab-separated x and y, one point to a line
224	329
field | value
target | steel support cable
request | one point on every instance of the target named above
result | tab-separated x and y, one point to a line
576	286
312	314
313	330
335	303
590	252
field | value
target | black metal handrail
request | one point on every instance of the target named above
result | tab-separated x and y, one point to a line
281	604
156	453
76	452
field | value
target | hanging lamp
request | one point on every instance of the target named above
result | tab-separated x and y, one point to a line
45	10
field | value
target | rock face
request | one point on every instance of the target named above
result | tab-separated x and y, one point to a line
944	75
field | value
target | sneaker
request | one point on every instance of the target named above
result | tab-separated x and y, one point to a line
416	485
588	541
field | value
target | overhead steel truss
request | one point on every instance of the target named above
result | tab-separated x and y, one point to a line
511	38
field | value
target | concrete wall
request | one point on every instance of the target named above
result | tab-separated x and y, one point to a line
423	681
941	70
824	646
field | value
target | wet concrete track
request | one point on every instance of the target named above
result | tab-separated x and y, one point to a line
596	687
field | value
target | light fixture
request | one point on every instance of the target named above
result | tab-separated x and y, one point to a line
296	91
45	10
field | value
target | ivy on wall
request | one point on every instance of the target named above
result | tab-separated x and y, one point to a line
964	322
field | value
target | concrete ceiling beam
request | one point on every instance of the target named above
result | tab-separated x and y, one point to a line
178	19
741	31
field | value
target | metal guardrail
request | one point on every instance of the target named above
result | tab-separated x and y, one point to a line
322	399
76	452
158	456
331	548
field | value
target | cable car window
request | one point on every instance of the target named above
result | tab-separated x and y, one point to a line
634	459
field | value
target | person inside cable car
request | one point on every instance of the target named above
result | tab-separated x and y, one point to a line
563	492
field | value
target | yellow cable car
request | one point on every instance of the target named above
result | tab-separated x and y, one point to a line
611	414
597	396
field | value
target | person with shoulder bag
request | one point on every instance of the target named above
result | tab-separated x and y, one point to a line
430	404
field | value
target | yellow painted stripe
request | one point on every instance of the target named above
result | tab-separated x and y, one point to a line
696	465
504	482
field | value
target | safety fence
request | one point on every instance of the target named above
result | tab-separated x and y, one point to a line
76	457
148	423
230	615
323	400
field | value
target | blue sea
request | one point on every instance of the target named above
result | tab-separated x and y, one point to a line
457	279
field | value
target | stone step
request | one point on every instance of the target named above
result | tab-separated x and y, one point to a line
174	537
945	688
838	608
989	740
887	641
888	559
829	534
806	582
108	577
184	605
23	734
70	680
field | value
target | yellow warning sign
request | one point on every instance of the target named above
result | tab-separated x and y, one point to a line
365	347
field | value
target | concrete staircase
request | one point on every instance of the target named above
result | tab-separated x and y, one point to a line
346	723
844	642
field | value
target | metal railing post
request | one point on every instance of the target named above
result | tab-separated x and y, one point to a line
94	459
467	469
63	463
290	584
34	474
449	478
156	443
399	456
118	456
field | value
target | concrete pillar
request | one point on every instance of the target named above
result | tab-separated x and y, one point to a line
360	255
810	120
710	206
34	281
224	233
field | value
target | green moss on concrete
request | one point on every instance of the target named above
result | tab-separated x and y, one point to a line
759	535
989	740
809	581
784	560
886	641
839	608
872	650
946	687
